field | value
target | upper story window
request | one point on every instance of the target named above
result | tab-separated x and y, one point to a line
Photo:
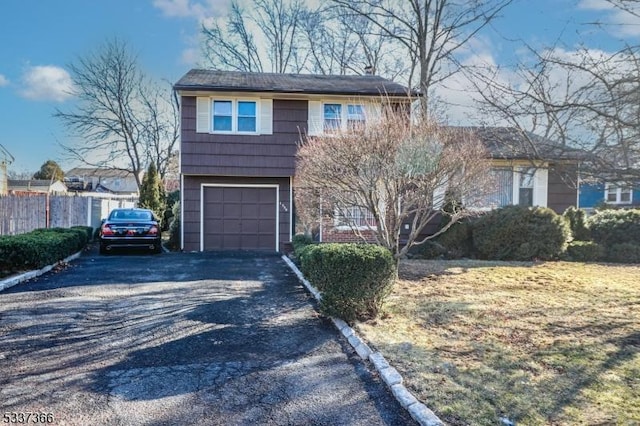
618	194
332	117
234	116
355	116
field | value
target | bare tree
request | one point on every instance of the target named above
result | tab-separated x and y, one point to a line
123	120
583	99
396	171
236	44
431	32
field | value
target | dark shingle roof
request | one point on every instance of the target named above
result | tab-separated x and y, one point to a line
355	85
510	143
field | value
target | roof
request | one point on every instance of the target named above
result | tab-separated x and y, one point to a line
35	185
236	81
97	172
511	143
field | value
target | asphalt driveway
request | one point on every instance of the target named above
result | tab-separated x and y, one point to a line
180	338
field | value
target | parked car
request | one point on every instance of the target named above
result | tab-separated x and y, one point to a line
130	228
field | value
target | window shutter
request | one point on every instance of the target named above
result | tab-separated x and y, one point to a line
439	193
540	187
266	117
315	121
203	115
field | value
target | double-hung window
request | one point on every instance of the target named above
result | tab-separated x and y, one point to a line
525	190
234	116
332	117
355	116
354	216
618	194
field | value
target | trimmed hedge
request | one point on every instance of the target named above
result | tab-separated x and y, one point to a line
40	248
577	219
520	233
611	227
354	278
300	241
584	251
623	253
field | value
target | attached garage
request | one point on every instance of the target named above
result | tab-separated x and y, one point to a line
239	217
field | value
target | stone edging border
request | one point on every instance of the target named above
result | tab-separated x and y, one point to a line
420	412
17	279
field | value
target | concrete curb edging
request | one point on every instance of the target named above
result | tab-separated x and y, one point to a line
17	279
420	412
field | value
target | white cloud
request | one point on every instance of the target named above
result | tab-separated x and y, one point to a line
619	21
47	83
190	56
199	10
3	80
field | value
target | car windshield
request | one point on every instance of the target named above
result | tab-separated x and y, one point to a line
131	215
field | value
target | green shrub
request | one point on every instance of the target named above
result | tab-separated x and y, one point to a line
610	227
624	253
577	219
520	233
428	250
300	241
40	248
354	278
87	230
175	228
457	240
584	251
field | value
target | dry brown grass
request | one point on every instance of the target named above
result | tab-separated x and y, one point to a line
552	343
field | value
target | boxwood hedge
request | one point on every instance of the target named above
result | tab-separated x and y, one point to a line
354	279
41	247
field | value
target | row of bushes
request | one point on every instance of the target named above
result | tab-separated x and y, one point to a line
354	279
526	233
40	247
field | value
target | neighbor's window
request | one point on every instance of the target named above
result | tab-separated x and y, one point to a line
332	117
618	194
234	116
502	195
525	191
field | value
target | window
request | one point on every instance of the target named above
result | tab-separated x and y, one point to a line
235	116
525	189
355	116
503	195
618	194
332	117
358	217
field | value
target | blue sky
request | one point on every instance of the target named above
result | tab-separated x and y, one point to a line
39	38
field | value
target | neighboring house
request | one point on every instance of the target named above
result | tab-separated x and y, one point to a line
120	182
239	136
614	193
528	170
36	185
239	139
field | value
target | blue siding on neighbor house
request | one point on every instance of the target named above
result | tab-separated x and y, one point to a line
593	194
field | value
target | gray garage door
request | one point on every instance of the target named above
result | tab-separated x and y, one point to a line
239	218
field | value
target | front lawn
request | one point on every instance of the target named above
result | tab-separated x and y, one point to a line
490	342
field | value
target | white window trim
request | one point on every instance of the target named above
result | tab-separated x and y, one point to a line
344	112
337	227
540	188
234	116
607	189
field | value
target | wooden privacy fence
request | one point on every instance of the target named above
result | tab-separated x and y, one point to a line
24	212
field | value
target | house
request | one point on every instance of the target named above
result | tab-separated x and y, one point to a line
239	136
120	182
45	186
528	170
611	192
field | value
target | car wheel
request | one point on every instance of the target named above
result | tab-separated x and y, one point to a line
103	249
157	249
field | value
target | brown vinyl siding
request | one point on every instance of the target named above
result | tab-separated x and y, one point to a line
191	208
562	193
244	155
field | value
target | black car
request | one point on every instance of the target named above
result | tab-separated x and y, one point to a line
130	228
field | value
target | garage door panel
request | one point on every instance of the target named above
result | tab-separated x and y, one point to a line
239	218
